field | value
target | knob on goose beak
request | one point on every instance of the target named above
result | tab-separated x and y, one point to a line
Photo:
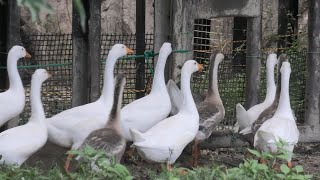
129	51
27	56
200	67
49	75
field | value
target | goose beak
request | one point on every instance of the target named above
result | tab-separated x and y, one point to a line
129	51
27	56
200	67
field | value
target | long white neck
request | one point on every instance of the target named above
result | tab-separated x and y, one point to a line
213	81
188	102
271	86
14	77
159	82
108	81
284	101
37	112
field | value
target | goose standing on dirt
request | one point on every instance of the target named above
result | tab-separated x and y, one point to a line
144	113
211	110
165	141
246	118
282	125
18	143
12	101
110	138
269	112
70	128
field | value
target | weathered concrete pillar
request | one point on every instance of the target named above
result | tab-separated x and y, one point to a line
13	38
253	62
163	25
312	112
79	59
94	57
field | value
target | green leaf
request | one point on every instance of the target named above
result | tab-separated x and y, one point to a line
299	169
82	13
283	156
281	176
284	168
254	152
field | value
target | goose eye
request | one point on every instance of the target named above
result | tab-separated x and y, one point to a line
195	63
122	47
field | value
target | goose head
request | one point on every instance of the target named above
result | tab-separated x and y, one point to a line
216	58
119	50
165	49
192	66
41	75
285	68
272	60
19	52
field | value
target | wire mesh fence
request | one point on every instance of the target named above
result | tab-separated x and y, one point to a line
127	66
213	34
54	53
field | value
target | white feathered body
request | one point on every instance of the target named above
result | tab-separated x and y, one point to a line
165	141
144	113
12	104
18	143
71	127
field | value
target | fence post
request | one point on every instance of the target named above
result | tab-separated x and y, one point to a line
287	21
79	58
13	38
312	111
253	63
140	46
94	22
162	9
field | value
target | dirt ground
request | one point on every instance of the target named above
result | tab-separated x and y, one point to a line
306	154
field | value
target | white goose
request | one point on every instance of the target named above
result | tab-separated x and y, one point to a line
70	128
246	118
144	113
165	141
282	125
17	144
12	101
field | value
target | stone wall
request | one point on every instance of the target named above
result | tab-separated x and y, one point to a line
117	16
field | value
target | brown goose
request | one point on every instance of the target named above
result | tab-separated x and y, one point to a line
269	112
110	138
211	110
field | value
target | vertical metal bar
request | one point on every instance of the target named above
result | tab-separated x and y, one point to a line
140	46
312	111
253	63
94	22
79	58
3	47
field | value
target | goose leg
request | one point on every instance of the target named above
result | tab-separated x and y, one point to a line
290	164
67	164
195	153
262	161
169	167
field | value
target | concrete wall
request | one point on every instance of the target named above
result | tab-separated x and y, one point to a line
117	16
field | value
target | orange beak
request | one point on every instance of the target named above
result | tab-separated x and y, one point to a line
129	51
200	67
27	56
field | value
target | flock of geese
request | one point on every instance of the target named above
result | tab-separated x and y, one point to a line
160	125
